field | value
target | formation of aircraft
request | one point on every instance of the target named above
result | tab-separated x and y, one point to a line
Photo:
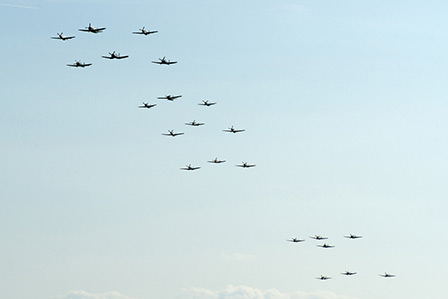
245	165
348	273
92	29
189	167
79	64
325	246
61	36
164	61
352	236
232	130
317	237
144	31
322	277
387	275
207	103
295	240
216	161
194	124
169	97
172	134
147	105
115	56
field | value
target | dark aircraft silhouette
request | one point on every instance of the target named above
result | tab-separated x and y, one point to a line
115	56
144	31
216	161
295	240
147	105
348	273
206	103
194	124
245	165
62	37
79	64
92	29
169	97
172	134
387	275
317	237
322	277
325	246
189	167
164	61
352	237
232	130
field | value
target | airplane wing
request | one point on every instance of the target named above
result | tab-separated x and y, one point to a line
84	30
97	30
107	57
138	32
68	37
158	62
176	134
122	57
171	62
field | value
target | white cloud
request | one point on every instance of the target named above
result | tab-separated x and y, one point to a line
87	295
243	292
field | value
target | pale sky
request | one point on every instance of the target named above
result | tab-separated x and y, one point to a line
344	107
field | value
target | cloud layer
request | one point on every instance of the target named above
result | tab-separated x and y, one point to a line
243	292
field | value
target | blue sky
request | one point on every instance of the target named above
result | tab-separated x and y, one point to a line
344	106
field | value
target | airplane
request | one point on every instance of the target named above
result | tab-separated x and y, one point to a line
194	124
147	105
216	161
169	97
164	61
189	167
325	246
62	37
172	134
79	64
245	165
206	103
144	31
92	29
348	273
322	277
232	130
353	236
115	56
295	240
317	237
387	275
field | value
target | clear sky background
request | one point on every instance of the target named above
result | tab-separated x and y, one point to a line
344	106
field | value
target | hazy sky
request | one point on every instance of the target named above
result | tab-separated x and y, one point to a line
344	107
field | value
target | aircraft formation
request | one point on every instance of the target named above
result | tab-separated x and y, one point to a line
327	246
146	105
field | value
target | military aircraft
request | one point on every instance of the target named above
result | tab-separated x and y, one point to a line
79	64
387	275
348	273
232	130
194	124
147	105
295	240
352	237
245	165
92	29
144	31
322	277
164	61
216	161
115	56
317	237
189	167
172	134
325	246
169	97
206	103
62	37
